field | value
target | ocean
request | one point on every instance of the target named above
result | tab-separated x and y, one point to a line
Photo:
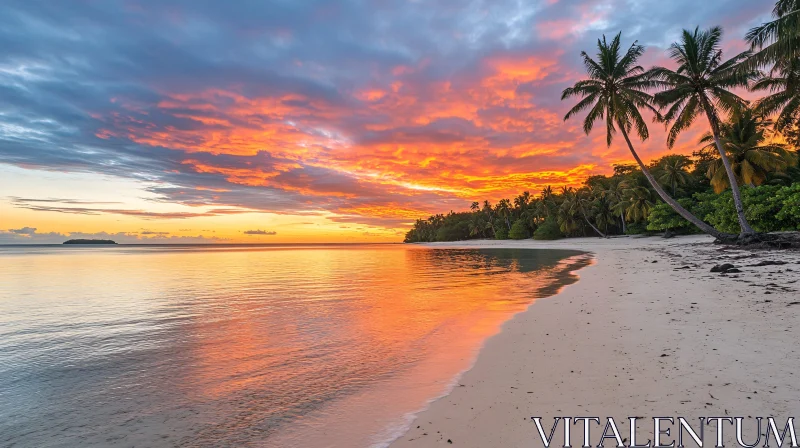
247	346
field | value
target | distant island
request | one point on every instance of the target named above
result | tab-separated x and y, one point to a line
90	242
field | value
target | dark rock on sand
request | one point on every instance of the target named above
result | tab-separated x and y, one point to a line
722	267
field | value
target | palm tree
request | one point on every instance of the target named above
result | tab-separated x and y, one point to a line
547	192
778	43
489	212
783	84
777	40
504	209
614	93
568	220
700	85
547	202
603	213
637	203
672	171
615	192
522	201
751	157
475	206
585	199
478	225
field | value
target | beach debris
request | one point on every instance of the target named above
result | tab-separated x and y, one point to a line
732	271
722	267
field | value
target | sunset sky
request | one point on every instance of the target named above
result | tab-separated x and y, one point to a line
303	121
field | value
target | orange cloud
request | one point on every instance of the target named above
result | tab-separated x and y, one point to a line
406	146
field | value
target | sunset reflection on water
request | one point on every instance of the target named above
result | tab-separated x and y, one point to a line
246	346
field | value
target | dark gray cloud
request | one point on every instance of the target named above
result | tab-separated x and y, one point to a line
260	232
12	236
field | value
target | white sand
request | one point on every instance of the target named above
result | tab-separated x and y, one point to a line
598	348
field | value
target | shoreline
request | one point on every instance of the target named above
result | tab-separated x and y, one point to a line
567	276
646	331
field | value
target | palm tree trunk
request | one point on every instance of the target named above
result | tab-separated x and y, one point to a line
672	202
624	225
737	197
602	235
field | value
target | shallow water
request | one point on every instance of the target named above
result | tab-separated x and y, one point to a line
232	346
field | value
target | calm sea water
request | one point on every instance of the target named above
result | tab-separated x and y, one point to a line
270	346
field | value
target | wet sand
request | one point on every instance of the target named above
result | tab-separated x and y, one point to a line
647	331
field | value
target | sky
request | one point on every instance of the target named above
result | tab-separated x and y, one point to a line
279	121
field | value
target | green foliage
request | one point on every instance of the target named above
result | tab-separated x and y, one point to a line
636	228
548	230
455	231
789	200
769	208
450	227
501	234
518	231
662	217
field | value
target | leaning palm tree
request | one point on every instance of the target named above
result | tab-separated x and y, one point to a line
587	199
753	158
614	93
700	86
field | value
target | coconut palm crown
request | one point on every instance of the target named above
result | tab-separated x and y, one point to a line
615	90
751	153
783	84
779	39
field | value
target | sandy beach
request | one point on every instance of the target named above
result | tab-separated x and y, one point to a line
647	331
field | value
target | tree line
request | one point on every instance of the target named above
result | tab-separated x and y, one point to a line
750	152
